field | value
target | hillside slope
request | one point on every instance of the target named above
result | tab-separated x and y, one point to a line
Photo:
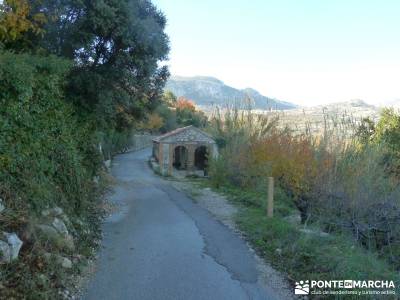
208	91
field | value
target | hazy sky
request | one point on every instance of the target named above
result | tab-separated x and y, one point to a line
304	51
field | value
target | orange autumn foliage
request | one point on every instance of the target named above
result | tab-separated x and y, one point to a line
183	103
290	159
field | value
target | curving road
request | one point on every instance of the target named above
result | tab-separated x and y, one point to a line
162	245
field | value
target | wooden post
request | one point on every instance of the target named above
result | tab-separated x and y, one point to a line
270	199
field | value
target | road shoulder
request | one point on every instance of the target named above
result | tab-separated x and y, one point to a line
225	212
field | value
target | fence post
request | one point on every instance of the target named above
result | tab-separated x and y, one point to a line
270	199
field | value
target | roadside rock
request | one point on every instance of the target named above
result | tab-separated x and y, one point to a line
15	244
96	180
5	252
48	231
55	228
60	240
60	260
314	232
10	245
55	212
2	207
64	262
60	226
107	164
69	242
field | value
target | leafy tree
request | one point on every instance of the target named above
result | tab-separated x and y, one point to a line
388	129
169	117
185	104
366	130
16	21
186	113
169	98
153	123
387	133
117	46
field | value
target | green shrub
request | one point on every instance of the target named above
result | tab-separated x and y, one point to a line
46	156
306	256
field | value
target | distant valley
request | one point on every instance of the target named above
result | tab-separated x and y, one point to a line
349	114
207	92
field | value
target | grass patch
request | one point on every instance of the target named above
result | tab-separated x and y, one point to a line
300	255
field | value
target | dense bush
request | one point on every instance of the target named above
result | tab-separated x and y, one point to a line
335	179
46	156
76	77
171	113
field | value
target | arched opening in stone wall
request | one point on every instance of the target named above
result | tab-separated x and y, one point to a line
180	158
200	157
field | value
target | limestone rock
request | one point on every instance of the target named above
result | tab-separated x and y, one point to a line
65	262
5	252
2	207
107	164
60	226
48	231
10	245
14	243
60	260
60	240
47	256
55	212
69	243
314	232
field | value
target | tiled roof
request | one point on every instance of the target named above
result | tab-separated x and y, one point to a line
179	130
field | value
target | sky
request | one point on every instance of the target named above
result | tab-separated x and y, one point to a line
304	51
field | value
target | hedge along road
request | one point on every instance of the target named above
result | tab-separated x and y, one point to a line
162	245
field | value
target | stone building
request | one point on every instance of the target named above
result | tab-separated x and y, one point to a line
186	148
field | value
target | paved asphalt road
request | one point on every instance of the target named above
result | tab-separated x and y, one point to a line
162	245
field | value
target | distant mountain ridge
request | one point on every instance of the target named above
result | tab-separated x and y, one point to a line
208	91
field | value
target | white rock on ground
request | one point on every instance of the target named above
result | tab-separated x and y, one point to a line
15	244
2	207
64	262
60	226
61	240
55	211
5	253
107	163
9	247
96	180
314	232
48	231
